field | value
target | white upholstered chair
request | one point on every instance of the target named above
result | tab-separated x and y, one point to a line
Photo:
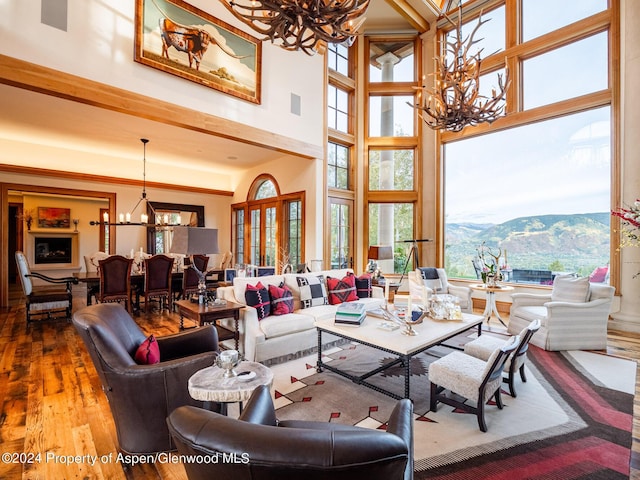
471	378
440	285
483	346
573	316
91	261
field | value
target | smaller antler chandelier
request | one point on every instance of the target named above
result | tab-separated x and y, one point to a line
302	24
455	100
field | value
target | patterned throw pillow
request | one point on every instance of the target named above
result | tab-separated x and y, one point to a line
312	291
363	286
281	299
342	290
148	352
257	297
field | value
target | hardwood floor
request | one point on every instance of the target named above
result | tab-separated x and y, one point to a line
53	405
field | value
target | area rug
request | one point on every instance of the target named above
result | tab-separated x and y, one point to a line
571	419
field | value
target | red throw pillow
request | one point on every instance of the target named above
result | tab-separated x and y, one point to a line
257	297
342	290
148	352
281	299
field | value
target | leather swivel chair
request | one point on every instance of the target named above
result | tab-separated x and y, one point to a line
142	396
257	445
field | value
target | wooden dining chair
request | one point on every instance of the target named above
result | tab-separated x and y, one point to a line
115	280
157	280
190	278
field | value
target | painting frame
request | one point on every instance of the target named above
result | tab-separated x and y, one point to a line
54	217
198	47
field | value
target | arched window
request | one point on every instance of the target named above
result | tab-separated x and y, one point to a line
268	227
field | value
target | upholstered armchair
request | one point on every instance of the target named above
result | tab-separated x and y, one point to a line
573	316
44	300
142	396
437	286
266	448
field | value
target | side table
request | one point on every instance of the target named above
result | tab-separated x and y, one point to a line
490	304
201	313
210	385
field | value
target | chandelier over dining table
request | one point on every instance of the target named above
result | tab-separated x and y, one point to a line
302	24
455	100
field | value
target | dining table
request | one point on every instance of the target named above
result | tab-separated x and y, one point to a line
92	281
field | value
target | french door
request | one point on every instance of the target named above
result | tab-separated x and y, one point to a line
263	229
341	232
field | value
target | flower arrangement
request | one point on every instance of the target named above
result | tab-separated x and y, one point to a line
630	224
490	267
27	216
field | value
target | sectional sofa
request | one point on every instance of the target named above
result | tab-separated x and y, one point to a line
279	337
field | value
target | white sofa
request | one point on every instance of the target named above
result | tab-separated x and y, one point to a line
278	338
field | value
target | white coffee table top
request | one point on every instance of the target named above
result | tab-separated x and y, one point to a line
430	332
210	385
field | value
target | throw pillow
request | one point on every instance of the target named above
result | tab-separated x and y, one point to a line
148	352
257	297
312	291
281	299
567	288
342	290
599	275
430	278
363	286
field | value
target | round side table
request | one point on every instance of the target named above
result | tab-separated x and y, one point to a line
490	304
210	385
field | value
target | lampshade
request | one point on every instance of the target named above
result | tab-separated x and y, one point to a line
380	252
194	240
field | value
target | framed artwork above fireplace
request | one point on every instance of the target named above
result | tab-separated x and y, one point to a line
52	217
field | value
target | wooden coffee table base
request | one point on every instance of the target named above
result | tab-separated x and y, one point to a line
200	314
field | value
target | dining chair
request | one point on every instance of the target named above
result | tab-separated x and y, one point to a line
115	280
469	377
190	278
483	346
157	280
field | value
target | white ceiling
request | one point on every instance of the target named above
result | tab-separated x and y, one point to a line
69	133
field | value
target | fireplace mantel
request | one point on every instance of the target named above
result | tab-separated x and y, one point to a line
74	265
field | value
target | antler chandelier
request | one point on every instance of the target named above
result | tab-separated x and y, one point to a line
455	100
302	24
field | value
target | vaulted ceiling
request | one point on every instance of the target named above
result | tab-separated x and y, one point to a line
33	122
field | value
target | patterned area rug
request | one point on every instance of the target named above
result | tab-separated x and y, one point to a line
571	419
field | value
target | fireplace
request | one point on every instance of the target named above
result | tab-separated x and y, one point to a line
54	250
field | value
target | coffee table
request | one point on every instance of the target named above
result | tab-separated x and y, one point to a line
430	333
201	313
209	385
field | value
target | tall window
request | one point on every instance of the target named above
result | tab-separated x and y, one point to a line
341	143
537	185
392	195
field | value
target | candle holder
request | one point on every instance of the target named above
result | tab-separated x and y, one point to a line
75	224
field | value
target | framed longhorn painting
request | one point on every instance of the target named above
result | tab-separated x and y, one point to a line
180	39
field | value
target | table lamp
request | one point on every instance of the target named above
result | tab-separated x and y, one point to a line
378	252
195	240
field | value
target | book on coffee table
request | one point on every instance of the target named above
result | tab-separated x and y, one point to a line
350	313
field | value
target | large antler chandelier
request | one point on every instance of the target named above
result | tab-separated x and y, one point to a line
455	100
302	24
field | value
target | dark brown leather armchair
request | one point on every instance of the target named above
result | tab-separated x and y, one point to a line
141	396
258	446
